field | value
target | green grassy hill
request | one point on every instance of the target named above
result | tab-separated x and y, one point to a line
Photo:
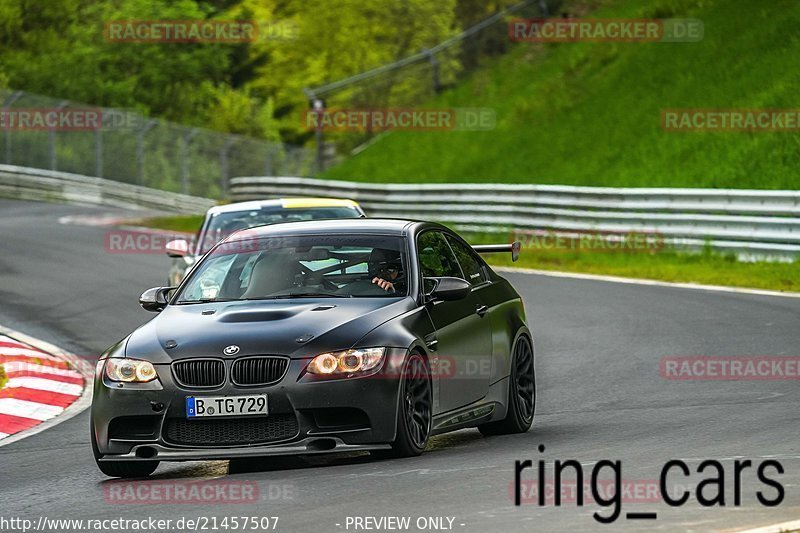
589	113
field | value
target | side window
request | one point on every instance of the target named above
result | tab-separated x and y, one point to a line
435	256
467	258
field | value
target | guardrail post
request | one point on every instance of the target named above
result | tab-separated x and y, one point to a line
98	147
10	100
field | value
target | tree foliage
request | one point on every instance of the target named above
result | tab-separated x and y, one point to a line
58	48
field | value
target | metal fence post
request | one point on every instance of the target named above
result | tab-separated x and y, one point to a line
224	165
9	101
51	138
185	141
140	147
437	84
543	8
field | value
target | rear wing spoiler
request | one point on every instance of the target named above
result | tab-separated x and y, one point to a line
513	247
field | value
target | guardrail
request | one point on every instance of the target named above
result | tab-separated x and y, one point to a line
747	222
36	184
751	223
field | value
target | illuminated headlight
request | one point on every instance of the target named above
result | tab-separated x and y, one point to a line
130	370
347	362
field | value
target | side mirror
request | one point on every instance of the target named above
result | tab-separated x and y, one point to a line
448	289
155	299
177	248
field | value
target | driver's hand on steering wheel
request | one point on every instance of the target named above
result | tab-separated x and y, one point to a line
383	284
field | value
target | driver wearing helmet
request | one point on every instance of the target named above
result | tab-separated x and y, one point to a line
385	266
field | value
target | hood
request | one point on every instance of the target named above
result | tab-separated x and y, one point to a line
299	328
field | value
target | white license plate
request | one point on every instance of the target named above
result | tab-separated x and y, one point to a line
255	404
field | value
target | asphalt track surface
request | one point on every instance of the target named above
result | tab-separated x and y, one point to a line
600	396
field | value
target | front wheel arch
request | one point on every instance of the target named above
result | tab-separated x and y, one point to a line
410	437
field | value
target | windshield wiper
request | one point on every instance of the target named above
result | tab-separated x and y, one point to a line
206	300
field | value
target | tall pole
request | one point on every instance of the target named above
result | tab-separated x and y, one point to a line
98	147
224	164
185	142
51	138
318	105
437	84
150	124
11	99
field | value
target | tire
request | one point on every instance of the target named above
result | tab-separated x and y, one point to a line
122	469
521	394
415	410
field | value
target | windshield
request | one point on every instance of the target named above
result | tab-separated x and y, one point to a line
222	225
319	266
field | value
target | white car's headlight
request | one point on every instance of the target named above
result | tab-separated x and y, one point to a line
130	370
346	362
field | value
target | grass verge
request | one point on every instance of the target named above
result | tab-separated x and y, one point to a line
177	223
587	113
706	267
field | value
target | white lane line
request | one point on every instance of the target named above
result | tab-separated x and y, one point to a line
21	366
26	409
775	528
3	435
45	385
6	338
633	281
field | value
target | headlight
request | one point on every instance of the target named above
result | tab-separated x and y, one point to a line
130	370
347	362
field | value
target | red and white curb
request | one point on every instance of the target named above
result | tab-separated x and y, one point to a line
45	386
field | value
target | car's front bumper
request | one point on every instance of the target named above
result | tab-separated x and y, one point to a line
336	415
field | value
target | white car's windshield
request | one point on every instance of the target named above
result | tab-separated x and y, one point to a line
221	225
335	266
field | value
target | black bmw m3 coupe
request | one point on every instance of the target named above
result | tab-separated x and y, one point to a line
317	337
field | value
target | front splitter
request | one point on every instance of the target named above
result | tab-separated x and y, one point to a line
313	445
